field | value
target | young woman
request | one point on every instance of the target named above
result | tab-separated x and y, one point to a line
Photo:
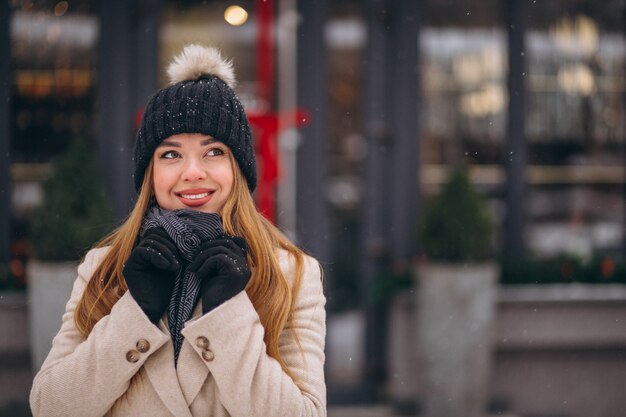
196	305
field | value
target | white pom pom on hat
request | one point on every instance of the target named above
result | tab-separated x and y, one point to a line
196	60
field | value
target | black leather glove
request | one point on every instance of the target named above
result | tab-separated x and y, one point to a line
222	266
150	272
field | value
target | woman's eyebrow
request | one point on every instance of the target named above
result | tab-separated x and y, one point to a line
204	142
169	143
208	141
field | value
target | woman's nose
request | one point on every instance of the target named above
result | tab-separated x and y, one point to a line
193	171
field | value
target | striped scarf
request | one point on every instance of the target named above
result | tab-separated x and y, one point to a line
188	229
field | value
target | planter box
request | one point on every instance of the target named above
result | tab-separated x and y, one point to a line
15	371
13	322
49	289
558	350
454	328
405	381
344	347
561	350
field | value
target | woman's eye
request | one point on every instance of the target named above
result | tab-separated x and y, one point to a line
215	152
170	155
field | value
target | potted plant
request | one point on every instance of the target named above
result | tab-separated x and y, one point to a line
74	213
456	293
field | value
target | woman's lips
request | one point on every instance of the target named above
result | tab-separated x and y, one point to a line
195	197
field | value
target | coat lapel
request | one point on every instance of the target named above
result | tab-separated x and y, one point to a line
162	374
191	370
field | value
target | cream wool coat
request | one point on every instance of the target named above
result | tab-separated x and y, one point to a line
233	376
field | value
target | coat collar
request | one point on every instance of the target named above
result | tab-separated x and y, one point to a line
179	386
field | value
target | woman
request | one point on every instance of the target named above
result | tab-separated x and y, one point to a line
196	305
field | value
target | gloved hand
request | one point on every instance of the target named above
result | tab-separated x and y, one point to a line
222	266
150	272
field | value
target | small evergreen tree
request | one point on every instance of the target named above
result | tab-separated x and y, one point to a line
457	226
75	211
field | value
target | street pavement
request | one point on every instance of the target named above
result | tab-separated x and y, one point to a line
378	411
360	411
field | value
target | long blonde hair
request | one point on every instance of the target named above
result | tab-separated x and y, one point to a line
269	290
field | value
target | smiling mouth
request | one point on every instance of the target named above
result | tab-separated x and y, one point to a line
194	196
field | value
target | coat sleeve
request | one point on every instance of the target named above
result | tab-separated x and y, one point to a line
83	377
251	383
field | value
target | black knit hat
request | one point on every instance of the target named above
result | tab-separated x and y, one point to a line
200	99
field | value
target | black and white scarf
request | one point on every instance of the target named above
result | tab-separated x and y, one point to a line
188	229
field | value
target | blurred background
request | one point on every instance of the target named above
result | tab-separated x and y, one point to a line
457	166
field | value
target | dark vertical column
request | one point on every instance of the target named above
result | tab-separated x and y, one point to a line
114	102
146	55
312	219
405	117
515	150
378	184
624	151
5	132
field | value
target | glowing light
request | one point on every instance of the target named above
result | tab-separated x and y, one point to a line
576	79
576	35
488	100
235	15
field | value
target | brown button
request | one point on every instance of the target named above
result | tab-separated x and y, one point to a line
208	355
132	356
202	342
143	345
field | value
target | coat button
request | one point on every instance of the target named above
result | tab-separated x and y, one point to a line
208	355
202	342
143	345
132	356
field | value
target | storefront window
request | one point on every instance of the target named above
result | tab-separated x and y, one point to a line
346	40
575	129
53	52
53	55
574	126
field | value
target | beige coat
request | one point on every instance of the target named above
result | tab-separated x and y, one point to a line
223	368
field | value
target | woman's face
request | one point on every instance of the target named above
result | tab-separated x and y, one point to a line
192	171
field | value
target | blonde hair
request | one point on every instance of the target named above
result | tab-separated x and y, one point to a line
269	290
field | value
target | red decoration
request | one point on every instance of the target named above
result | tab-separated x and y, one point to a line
269	124
607	267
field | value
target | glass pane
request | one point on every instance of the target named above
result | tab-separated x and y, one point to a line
53	53
575	129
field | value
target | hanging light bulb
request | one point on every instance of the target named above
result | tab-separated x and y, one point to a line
235	15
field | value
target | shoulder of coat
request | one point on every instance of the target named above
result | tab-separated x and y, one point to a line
91	261
287	264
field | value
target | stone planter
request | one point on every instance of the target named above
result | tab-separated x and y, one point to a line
49	289
455	317
568	337
404	383
15	373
